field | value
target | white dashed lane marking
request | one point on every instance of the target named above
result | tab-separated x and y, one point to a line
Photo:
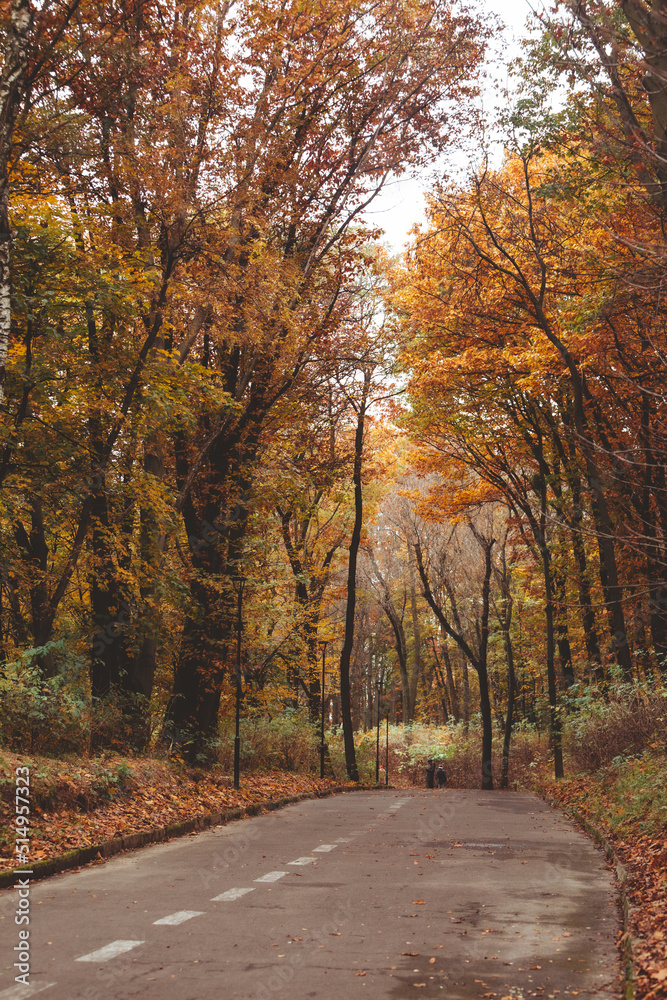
179	918
302	861
231	894
109	951
270	877
20	991
323	848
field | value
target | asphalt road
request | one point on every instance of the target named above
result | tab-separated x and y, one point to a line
381	895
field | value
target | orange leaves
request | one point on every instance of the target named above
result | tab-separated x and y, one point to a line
154	794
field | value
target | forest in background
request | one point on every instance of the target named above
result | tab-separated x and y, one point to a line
438	479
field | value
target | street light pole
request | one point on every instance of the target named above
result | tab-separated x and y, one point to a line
377	738
322	747
240	580
386	770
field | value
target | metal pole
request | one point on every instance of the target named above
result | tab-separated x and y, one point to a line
322	747
386	773
377	737
237	737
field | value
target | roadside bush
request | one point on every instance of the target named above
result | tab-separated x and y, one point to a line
630	719
286	742
364	744
45	716
411	746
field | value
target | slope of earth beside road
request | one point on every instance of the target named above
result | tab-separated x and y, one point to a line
78	806
460	894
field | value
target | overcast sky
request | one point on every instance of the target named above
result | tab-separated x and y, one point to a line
401	204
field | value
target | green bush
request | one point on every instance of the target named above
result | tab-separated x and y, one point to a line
460	751
286	742
364	754
48	716
623	721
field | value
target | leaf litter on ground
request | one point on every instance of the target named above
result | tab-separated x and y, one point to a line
83	803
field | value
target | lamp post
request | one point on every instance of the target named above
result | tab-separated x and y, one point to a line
386	770
322	747
377	738
240	580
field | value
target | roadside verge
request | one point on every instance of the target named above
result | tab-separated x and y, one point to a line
131	841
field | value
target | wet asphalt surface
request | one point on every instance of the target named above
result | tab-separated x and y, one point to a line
383	895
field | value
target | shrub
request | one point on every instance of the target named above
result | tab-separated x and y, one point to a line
639	794
411	746
286	742
48	716
629	720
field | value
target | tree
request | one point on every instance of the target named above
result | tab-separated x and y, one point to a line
439	567
289	248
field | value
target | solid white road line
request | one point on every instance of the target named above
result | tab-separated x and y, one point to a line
109	951
19	991
231	894
179	918
302	861
323	848
270	877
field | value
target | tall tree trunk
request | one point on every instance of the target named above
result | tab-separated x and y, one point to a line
465	681
606	535
562	632
346	652
11	93
192	712
583	583
416	636
505	617
554	717
34	553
